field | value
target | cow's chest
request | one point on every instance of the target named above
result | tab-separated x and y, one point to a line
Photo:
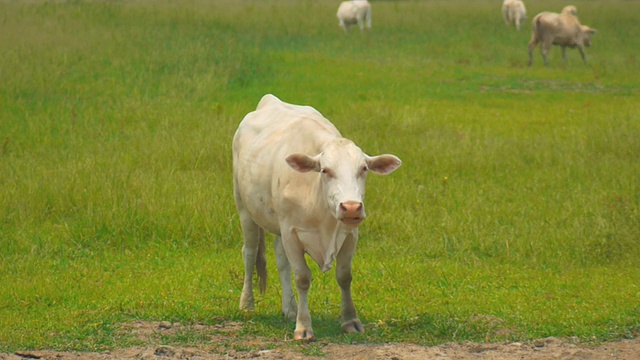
323	247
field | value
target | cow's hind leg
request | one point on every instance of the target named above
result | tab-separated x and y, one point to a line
253	237
289	307
350	321
532	45
361	23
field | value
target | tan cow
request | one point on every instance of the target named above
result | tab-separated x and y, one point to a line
354	12
295	176
514	12
562	29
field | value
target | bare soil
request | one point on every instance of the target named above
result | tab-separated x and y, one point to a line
224	343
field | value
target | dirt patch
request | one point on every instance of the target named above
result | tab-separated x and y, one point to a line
222	342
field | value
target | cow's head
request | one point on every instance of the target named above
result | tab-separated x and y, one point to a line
343	169
570	10
586	34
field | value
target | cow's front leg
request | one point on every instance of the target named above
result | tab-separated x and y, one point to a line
584	58
302	277
289	308
350	321
544	50
343	26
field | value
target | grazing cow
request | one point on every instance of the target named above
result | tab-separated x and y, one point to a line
562	29
514	12
354	12
295	176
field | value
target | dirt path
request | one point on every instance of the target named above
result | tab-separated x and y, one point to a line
225	344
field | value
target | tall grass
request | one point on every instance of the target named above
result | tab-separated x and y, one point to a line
516	213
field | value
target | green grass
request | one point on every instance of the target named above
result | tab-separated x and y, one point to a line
516	214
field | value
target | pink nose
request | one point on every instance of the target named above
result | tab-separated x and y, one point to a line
352	212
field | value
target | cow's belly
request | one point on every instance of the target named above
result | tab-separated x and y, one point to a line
262	212
254	187
350	21
267	221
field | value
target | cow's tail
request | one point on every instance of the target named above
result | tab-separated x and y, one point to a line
261	266
537	28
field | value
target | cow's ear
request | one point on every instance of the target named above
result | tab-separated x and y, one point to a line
303	163
383	164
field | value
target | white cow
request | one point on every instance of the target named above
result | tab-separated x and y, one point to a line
562	29
514	12
295	176
354	12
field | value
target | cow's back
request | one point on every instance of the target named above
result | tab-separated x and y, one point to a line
278	125
560	29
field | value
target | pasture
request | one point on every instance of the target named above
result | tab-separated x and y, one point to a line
515	215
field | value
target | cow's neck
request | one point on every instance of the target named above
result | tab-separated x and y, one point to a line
324	243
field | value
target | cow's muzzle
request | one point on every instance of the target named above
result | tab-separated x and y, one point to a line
351	213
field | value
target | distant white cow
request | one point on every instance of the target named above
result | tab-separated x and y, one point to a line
562	29
514	12
295	176
354	12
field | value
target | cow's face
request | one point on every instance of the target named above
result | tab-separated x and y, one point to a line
586	35
343	169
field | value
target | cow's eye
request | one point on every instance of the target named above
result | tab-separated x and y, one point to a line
326	171
365	169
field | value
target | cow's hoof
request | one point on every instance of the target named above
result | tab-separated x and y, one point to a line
352	326
246	301
304	335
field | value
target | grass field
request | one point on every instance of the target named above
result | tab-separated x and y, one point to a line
515	215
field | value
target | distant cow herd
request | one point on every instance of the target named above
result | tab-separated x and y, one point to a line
295	176
548	28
